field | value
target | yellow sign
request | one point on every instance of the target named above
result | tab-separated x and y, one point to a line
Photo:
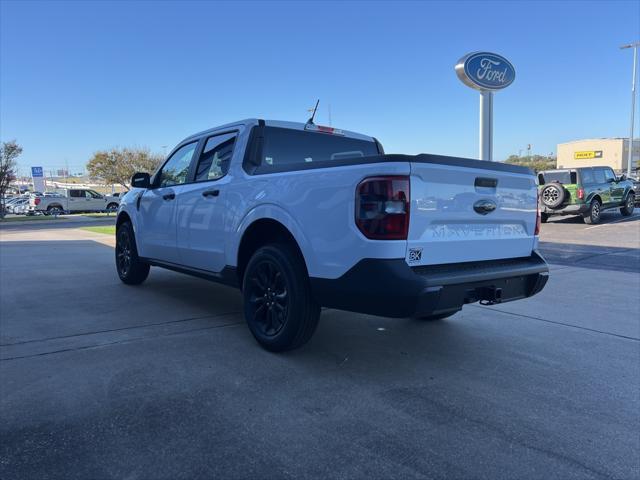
588	154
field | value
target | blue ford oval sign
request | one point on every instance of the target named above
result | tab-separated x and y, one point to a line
485	71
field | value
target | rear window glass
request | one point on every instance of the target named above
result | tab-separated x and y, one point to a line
284	147
562	176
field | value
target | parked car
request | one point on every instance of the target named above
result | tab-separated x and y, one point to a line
585	191
19	207
73	200
300	216
16	203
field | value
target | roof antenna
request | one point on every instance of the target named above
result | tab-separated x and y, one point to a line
310	121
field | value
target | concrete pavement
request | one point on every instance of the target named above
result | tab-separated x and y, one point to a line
103	380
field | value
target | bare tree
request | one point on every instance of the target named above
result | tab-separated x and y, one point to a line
8	154
116	166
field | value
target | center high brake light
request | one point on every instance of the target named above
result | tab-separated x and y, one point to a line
382	207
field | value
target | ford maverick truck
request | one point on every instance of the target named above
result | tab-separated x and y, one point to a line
300	216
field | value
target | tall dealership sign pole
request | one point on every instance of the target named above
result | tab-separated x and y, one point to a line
633	101
486	72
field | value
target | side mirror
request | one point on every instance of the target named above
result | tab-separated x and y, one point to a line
141	180
622	178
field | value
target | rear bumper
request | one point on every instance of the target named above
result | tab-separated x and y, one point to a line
391	288
575	209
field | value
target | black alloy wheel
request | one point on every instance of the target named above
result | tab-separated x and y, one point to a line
123	252
269	297
131	269
279	307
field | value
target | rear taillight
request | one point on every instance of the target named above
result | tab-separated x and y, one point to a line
581	193
382	207
538	215
36	201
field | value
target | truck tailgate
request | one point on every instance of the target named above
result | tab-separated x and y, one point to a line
467	210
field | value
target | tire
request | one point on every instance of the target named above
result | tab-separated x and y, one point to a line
592	216
441	316
112	207
278	306
553	194
629	205
544	217
131	269
54	210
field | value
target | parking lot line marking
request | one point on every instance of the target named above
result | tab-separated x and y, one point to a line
627	219
626	337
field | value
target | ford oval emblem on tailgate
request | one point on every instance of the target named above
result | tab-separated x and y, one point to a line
484	206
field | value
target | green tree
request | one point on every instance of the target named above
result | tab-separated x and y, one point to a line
535	162
9	152
116	166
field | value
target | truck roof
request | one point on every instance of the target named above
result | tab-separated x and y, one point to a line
271	123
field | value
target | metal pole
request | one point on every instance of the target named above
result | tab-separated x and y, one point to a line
633	101
486	125
633	108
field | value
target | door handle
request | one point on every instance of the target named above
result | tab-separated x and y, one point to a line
211	193
169	196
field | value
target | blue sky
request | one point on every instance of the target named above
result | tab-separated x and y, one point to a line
76	77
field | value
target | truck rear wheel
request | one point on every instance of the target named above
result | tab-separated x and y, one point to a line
278	306
592	216
54	210
131	269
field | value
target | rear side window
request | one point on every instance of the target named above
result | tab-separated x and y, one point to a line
283	147
76	193
215	158
586	176
599	175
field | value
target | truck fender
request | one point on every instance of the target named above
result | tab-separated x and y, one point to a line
272	212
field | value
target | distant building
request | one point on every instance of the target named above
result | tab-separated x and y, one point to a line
612	152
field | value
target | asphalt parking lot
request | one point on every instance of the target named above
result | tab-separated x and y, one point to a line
102	380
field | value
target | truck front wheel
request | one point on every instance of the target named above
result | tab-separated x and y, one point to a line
131	269
627	209
278	306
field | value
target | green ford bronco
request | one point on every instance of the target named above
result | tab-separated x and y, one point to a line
585	191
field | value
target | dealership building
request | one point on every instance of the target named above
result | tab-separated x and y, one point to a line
612	152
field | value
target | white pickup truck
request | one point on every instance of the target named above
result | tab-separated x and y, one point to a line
73	200
301	216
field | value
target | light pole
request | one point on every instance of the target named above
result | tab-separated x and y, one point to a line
633	101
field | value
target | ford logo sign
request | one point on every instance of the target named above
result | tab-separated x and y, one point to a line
485	71
484	207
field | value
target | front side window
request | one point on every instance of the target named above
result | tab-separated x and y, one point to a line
609	175
175	171
287	147
216	157
92	194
